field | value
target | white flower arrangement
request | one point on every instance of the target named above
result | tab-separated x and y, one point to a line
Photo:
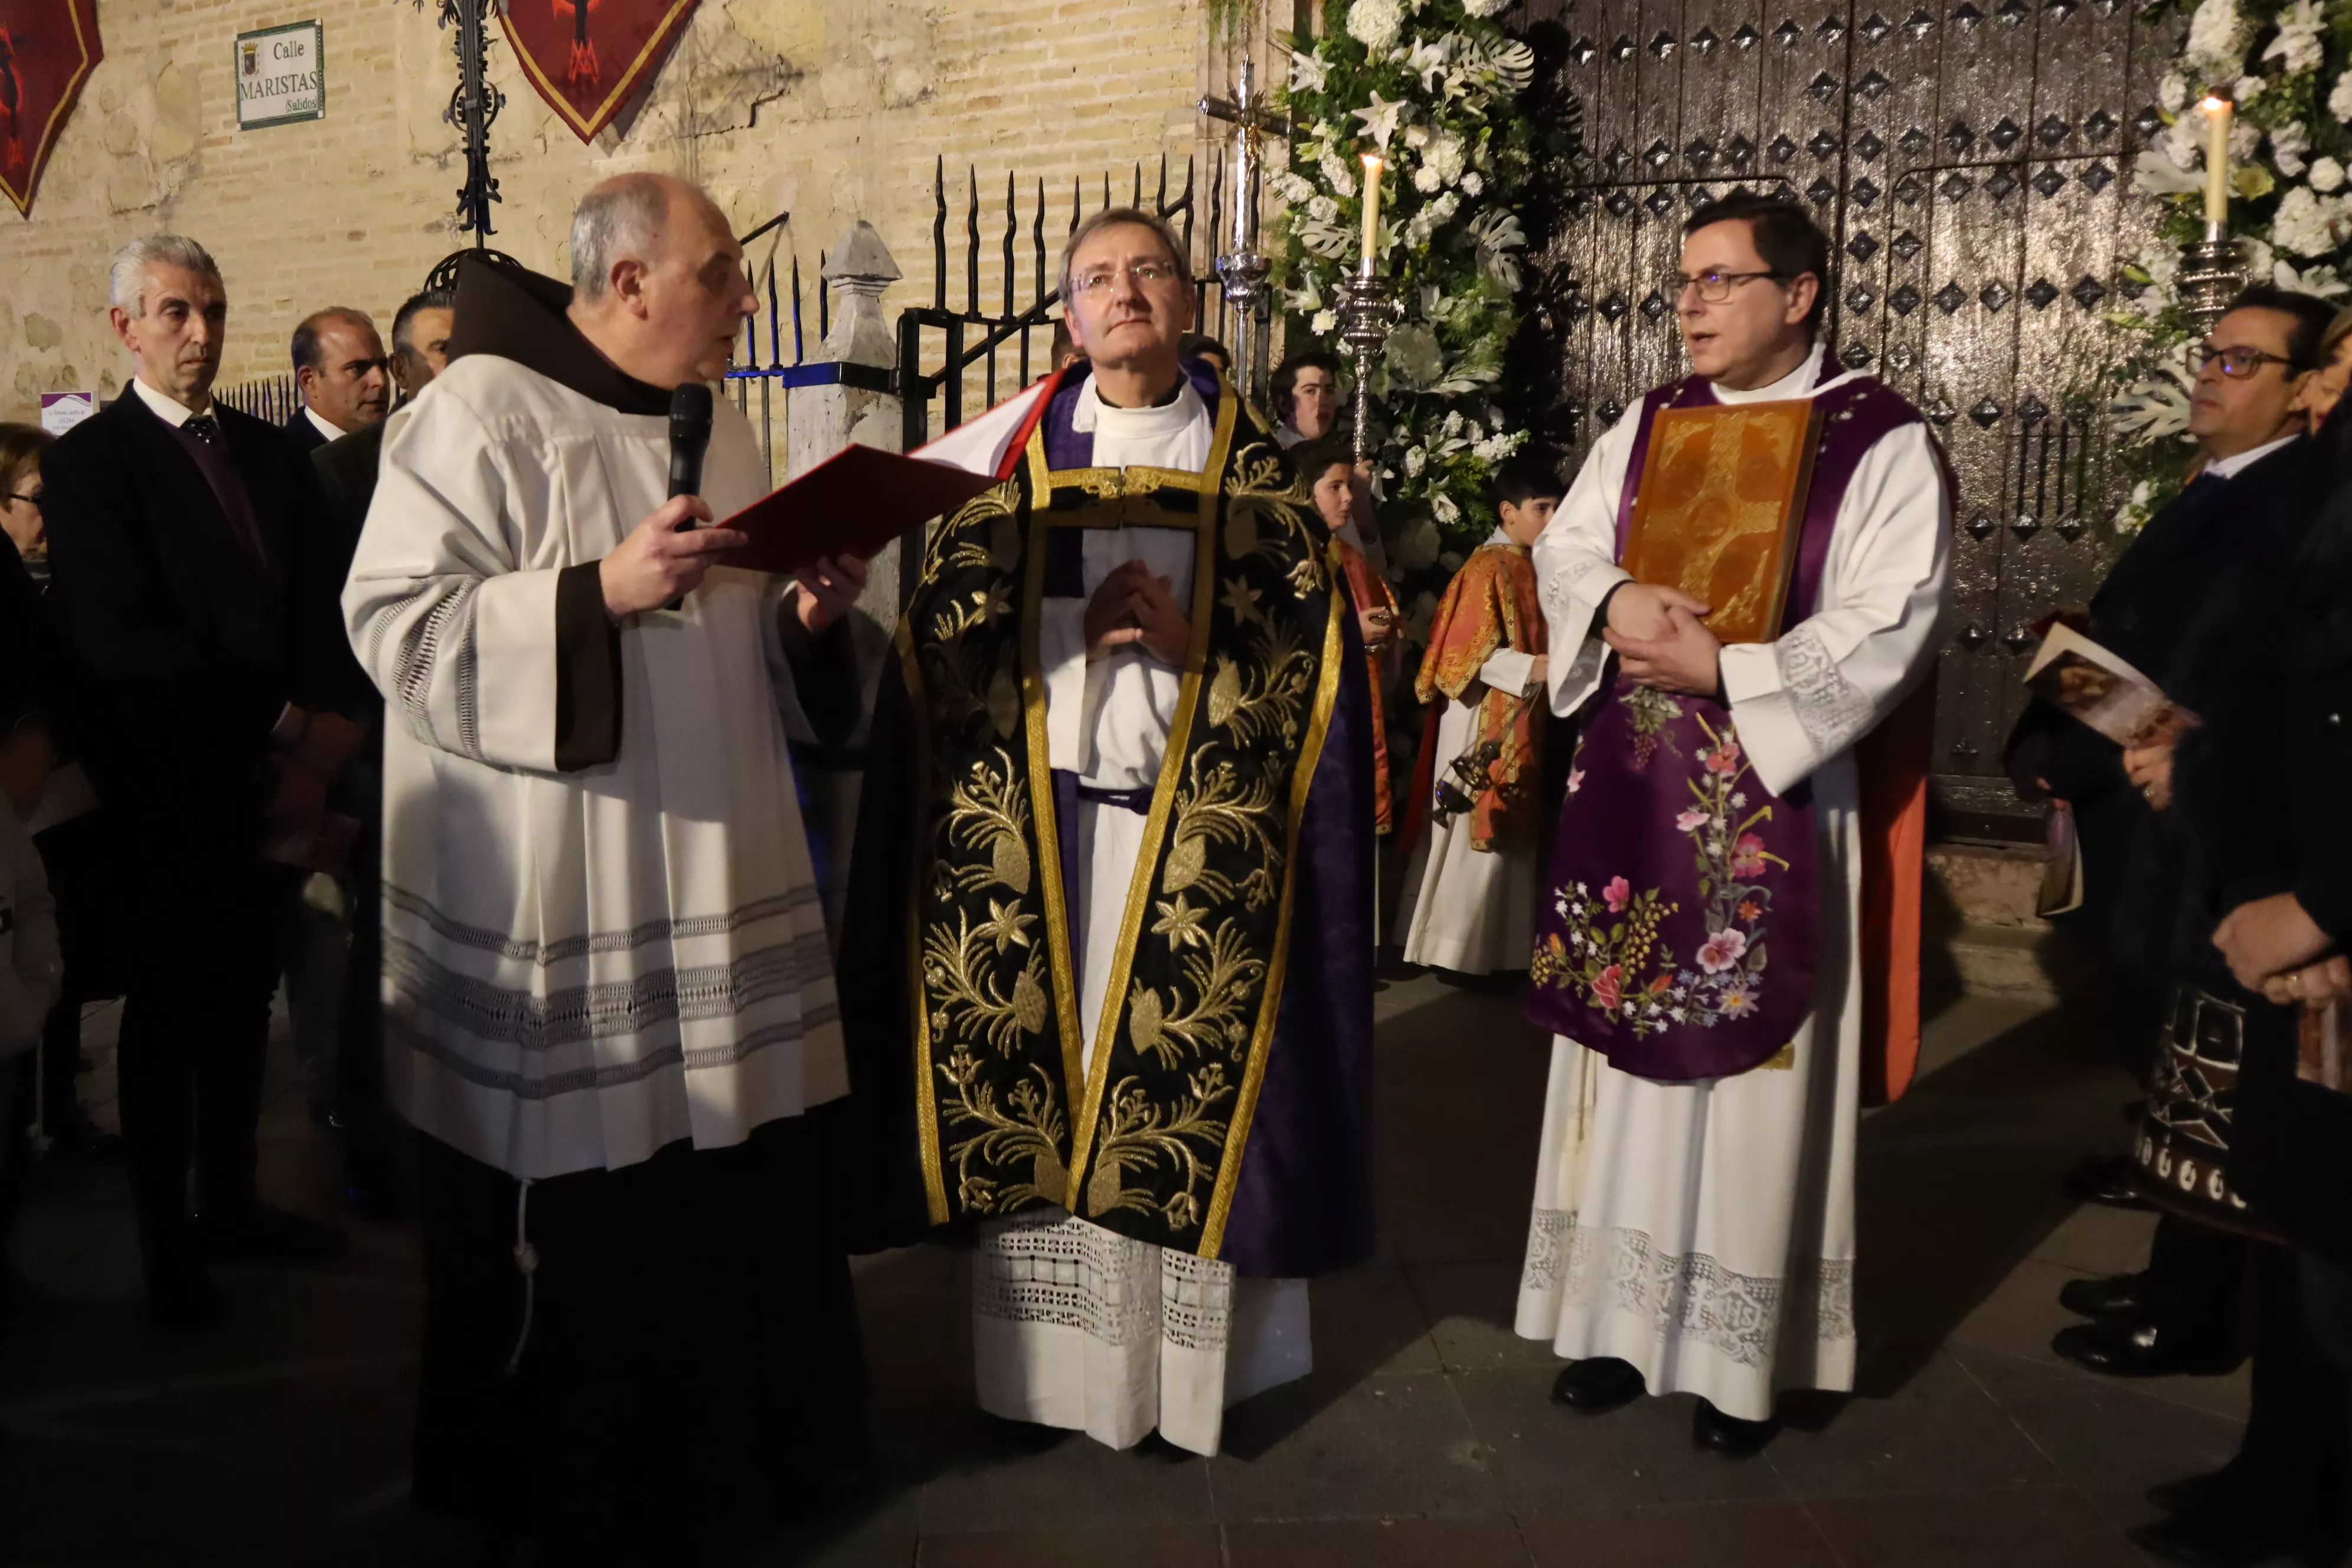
1431	85
2289	212
1375	24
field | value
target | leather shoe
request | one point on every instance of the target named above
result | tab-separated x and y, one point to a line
1728	1435
271	1236
2134	1348
1597	1384
2224	1538
2116	1296
2106	1179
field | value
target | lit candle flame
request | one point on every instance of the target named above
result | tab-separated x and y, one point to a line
2217	158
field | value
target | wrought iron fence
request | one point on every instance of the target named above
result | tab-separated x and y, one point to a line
273	398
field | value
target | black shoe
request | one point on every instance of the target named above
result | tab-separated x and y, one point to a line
2224	1538
2135	1347
1728	1435
1597	1384
266	1234
2116	1296
2106	1179
186	1303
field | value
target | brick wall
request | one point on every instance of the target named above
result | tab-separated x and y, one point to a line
833	110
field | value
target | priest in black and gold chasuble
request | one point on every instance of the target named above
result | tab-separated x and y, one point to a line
1107	961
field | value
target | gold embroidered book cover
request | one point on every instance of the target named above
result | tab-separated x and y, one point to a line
1717	509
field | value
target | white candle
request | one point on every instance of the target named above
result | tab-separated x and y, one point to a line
2216	159
1372	167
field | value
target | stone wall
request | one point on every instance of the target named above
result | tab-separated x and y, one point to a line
831	109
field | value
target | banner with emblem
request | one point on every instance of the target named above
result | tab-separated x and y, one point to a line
588	58
47	50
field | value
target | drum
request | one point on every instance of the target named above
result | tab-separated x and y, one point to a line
2182	1154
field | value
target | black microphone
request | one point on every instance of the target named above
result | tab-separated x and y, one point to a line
689	434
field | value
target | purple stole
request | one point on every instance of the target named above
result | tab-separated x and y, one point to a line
1682	932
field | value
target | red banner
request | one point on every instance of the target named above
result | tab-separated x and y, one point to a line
47	50
589	58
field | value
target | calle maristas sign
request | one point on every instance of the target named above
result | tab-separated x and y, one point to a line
47	50
281	76
589	58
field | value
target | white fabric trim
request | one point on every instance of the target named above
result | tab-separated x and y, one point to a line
1077	1327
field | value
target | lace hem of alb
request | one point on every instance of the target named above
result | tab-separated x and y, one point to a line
1061	1271
1744	1318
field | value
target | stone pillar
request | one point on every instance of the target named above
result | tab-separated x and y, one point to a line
840	396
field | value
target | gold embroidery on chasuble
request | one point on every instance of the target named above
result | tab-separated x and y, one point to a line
1149	1142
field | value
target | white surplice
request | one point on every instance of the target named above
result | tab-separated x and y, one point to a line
580	967
1464	909
1704	1231
1072	1325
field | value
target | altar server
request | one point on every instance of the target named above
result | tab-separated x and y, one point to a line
1106	956
1694	1209
607	998
1470	878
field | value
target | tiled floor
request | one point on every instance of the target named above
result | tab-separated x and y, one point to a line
1423	1437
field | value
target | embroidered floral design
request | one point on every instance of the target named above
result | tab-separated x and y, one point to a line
1608	956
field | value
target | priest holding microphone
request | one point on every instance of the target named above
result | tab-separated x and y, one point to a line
610	1012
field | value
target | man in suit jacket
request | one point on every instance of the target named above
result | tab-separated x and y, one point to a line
339	364
346	467
420	351
201	620
2261	483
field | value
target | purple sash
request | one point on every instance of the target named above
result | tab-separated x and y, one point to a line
1676	874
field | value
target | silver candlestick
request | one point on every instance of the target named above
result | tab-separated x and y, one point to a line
2212	271
1369	312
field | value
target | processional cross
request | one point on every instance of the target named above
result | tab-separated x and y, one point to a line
1243	269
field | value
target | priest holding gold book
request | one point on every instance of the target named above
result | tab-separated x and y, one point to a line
1748	572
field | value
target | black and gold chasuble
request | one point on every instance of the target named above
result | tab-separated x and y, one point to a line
1225	1111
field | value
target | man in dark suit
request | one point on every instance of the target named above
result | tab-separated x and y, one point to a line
346	467
420	351
339	366
2260	483
201	613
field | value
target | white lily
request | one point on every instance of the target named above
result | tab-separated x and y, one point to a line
1381	119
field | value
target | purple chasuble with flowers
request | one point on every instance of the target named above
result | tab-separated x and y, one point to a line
1681	933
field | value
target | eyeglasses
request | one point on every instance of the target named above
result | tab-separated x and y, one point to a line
1713	287
33	499
1141	273
2239	360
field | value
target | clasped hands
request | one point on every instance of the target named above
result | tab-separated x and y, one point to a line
1135	608
662	558
1661	641
2274	947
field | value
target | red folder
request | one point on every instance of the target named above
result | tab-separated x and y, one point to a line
853	503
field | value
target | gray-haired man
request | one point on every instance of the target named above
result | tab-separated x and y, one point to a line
607	999
1107	960
199	609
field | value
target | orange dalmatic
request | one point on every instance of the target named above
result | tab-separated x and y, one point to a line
1490	606
1368	591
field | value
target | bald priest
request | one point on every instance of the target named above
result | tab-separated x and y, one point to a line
1107	955
608	1004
